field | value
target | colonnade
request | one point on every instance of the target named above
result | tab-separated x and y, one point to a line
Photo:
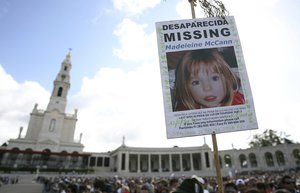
139	162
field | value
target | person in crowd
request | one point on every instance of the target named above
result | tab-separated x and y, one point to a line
61	188
252	190
173	184
287	183
261	187
189	185
125	189
230	187
118	186
203	183
241	185
146	188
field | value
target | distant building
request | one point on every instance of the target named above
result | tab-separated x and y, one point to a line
49	145
138	161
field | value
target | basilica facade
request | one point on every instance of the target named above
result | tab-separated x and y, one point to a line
49	146
49	141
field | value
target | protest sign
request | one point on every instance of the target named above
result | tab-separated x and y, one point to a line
204	78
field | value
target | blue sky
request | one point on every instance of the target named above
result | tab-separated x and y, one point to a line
115	77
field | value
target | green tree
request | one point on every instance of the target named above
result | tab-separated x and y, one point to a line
211	8
269	138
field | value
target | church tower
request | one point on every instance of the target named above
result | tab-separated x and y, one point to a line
58	100
53	129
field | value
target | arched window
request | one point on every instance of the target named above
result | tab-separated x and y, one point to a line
269	159
243	161
227	159
1	157
52	125
60	90
28	155
280	158
45	156
63	156
253	161
296	154
14	153
74	157
15	149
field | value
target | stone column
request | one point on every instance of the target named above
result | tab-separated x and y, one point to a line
211	161
159	163
236	161
119	160
127	162
149	163
203	161
180	162
170	162
68	161
192	163
139	163
288	156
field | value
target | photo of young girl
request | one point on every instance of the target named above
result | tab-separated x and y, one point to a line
204	79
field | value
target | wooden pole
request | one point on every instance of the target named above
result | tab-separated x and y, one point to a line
217	163
192	9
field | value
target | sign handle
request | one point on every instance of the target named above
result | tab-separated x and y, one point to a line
217	163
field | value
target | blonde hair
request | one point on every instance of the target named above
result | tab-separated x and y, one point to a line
194	61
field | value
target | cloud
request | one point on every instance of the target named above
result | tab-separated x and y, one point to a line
17	101
135	44
134	7
100	17
115	103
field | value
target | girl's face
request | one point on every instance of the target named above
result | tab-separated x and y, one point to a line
207	88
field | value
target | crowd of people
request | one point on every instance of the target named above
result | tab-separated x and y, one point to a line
266	183
7	179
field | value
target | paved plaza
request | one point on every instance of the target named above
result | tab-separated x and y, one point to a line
25	185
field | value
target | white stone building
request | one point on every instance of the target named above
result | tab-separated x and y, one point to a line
139	161
49	141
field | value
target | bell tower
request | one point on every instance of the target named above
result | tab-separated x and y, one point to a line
58	99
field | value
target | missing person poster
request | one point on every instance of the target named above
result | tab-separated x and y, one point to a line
204	79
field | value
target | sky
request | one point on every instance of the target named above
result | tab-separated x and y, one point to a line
115	76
